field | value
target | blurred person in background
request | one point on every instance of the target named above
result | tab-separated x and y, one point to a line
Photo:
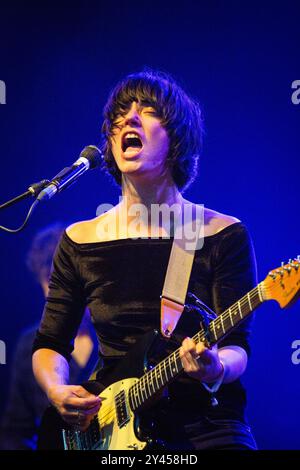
27	402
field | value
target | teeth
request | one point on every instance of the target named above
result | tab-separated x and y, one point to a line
131	139
132	135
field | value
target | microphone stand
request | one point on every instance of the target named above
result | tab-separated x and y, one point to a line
89	158
33	190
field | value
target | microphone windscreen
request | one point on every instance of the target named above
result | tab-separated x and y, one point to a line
93	155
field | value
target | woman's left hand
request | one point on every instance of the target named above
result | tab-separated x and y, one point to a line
200	362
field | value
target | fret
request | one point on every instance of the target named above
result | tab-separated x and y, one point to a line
197	338
152	380
170	366
227	320
133	396
140	387
178	364
159	377
259	292
249	301
230	316
256	300
143	386
234	313
240	310
130	398
165	371
222	324
161	374
236	309
175	365
175	369
214	325
137	396
147	384
144	389
156	377
151	384
244	305
168	369
214	330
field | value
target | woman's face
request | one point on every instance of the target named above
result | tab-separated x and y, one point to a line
139	143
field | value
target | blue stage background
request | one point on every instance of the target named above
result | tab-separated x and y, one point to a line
239	60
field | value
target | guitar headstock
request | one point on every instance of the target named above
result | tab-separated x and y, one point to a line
283	284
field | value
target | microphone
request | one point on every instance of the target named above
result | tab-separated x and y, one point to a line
90	158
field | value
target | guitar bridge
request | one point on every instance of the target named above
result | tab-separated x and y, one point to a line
83	440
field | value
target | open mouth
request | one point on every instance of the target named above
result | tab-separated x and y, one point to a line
131	143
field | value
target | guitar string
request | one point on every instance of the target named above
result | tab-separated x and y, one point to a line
259	289
110	411
227	314
218	323
200	335
143	381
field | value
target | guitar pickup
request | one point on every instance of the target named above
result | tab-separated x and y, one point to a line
122	409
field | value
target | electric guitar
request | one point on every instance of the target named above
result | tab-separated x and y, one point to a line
129	387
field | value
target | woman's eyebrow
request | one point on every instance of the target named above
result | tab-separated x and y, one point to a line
121	110
145	103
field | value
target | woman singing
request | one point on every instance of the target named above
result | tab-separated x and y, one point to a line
152	134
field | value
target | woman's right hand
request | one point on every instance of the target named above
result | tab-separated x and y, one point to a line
75	404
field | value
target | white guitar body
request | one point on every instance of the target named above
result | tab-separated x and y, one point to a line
116	432
116	426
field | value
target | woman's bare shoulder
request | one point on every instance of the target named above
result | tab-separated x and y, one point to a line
87	231
215	222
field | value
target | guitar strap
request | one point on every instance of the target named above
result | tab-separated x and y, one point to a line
188	237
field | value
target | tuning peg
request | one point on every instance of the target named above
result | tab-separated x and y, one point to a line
282	263
279	271
290	260
298	258
296	264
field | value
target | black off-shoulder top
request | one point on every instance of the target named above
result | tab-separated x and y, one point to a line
120	281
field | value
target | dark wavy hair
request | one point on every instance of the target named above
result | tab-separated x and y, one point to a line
180	115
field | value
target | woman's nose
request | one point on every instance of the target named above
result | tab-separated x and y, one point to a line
132	117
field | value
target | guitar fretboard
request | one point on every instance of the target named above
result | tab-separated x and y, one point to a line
164	372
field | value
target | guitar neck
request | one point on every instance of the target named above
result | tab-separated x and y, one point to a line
232	317
164	372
